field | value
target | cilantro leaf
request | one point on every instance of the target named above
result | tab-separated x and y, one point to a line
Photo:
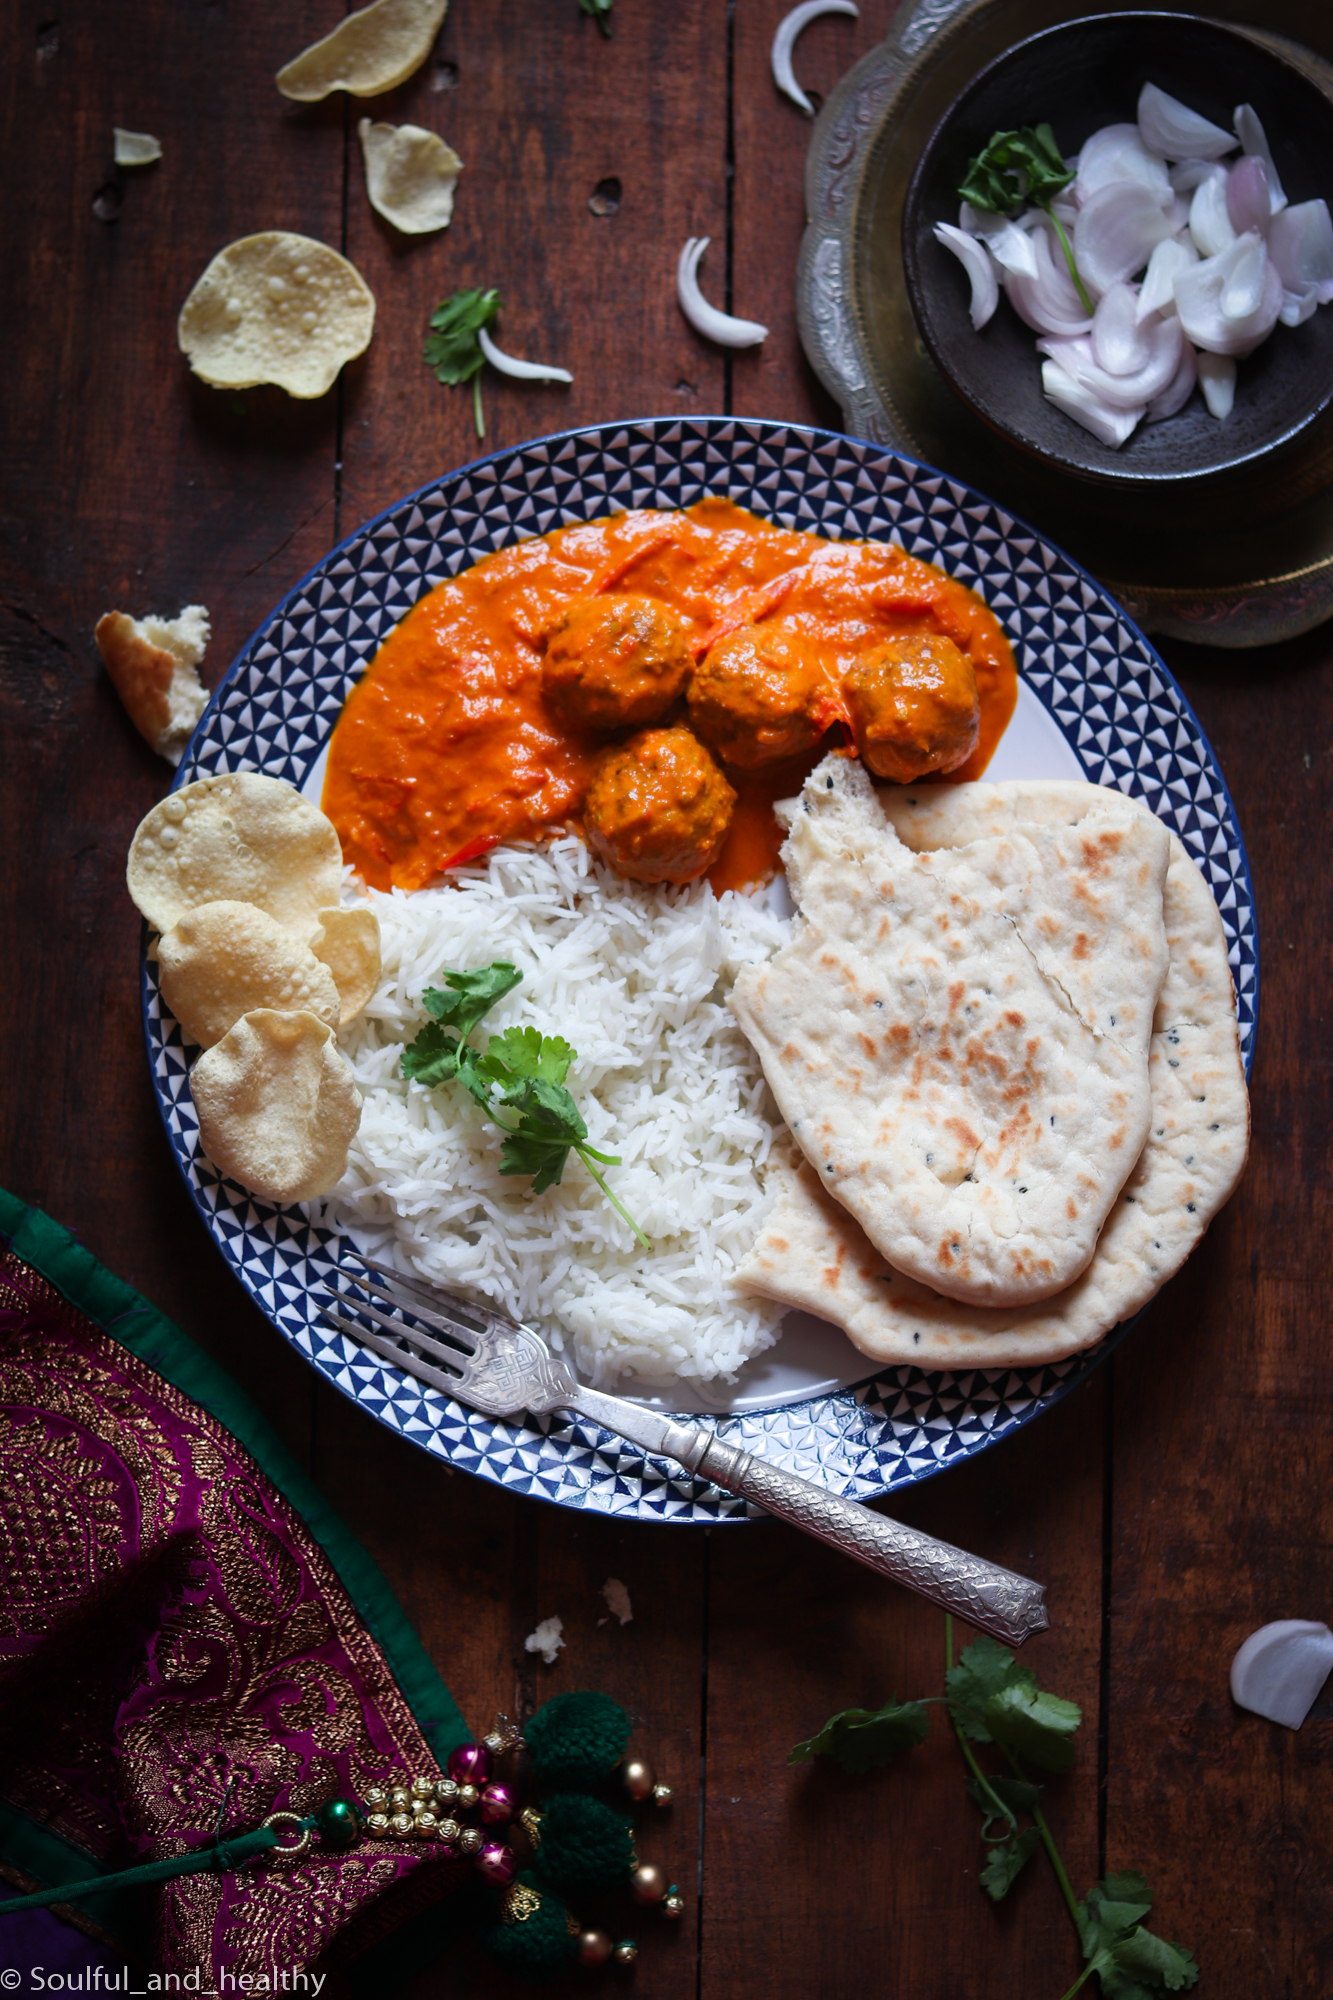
863	1739
452	348
472	997
984	1669
1023	165
436	1057
1131	1962
600	11
1024	1720
1005	1864
1014	1793
525	1052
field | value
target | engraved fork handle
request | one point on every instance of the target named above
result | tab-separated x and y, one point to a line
1008	1606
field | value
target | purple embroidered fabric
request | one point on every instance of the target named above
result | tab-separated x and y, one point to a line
178	1656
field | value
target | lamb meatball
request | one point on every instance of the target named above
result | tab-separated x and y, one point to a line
658	808
758	695
615	663
914	707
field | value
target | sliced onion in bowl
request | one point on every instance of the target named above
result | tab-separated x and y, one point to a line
1297	307
1110	425
1157	292
975	259
1204	289
1248	205
1162	342
1254	140
1217	379
1177	133
1117	153
1047	303
1211	226
1119	343
1300	243
1117	230
1179	389
1186	174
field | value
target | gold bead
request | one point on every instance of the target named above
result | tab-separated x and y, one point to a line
495	1743
626	1952
378	1823
446	1790
648	1883
376	1799
422	1788
594	1947
449	1830
469	1840
674	1904
426	1824
467	1797
400	1800
662	1796
636	1775
401	1825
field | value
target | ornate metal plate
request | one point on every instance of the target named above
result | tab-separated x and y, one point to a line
1097	683
1224	579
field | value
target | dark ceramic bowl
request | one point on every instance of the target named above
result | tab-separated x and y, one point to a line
1079	77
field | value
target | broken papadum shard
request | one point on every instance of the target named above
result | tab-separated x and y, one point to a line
240	838
928	1056
276	308
347	941
811	1254
225	959
153	664
410	175
371	51
277	1105
134	149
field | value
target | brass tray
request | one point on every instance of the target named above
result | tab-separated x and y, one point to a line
1225	583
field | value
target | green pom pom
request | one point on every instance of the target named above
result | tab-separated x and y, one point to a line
576	1739
539	1947
584	1845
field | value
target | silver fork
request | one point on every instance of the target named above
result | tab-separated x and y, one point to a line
502	1368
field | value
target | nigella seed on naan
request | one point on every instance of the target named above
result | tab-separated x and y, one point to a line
810	1252
980	1124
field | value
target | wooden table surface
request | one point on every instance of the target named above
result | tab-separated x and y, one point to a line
1173	1503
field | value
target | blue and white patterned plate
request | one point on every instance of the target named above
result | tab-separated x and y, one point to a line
1095	701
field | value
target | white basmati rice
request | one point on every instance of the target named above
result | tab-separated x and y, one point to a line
636	978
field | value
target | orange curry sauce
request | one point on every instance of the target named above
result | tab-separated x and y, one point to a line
445	747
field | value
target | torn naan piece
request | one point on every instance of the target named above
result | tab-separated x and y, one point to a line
812	1254
959	1040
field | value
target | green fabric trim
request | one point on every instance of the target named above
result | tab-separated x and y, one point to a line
25	1843
120	1311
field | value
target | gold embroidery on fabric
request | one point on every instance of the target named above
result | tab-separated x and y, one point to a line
60	1523
284	1917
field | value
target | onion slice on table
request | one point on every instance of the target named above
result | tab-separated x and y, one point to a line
1117	230
1117	153
1254	140
1280	1669
522	371
1217	379
719	326
784	42
1177	133
1300	243
1112	426
975	259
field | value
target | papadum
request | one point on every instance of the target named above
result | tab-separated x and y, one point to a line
277	1105
240	838
277	308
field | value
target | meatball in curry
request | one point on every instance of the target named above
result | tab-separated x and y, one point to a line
615	663
914	707
658	808
760	694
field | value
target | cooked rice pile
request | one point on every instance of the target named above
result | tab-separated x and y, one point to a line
637	979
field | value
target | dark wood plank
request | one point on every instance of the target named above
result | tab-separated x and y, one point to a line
544	111
127	483
1223	1464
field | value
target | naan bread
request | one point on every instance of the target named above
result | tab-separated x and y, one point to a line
959	1040
812	1254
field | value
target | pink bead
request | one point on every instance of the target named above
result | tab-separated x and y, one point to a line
470	1764
498	1863
497	1806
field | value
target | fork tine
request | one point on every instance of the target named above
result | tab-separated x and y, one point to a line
435	1295
466	1336
391	1351
453	1357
